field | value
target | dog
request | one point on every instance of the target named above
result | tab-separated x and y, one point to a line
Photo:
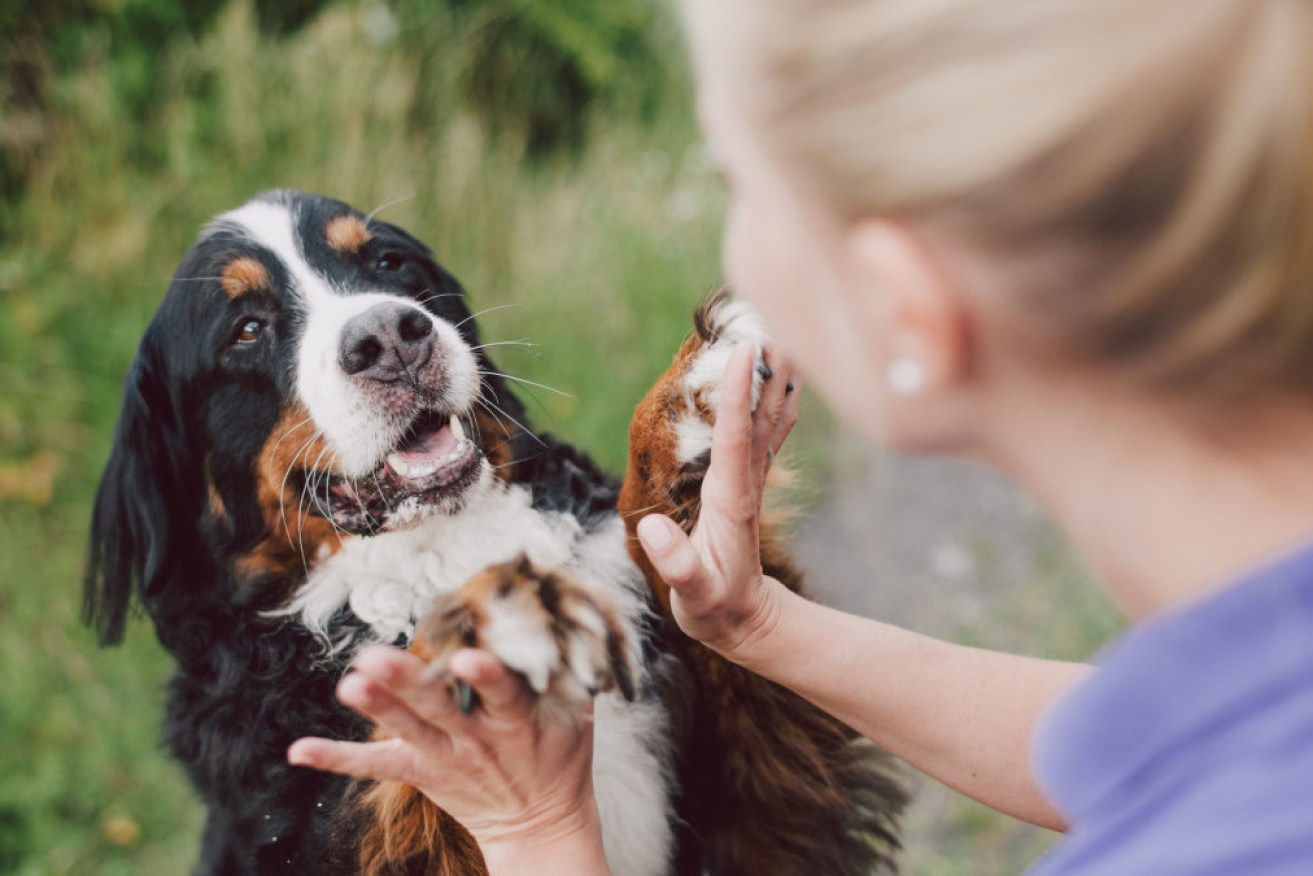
315	452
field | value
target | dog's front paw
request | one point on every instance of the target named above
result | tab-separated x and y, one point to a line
541	623
695	377
670	434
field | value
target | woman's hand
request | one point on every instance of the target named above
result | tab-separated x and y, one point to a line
519	779
719	594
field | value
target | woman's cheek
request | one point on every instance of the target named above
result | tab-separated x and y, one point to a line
766	265
761	261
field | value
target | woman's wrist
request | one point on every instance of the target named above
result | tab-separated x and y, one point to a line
570	845
758	649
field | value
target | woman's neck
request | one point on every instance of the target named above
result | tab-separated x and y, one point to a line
1164	511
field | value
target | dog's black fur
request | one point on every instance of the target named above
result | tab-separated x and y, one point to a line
246	686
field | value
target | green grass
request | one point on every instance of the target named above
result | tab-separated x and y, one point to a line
602	259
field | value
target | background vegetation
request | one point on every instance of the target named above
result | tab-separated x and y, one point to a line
546	151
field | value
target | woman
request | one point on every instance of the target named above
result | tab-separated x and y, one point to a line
1073	241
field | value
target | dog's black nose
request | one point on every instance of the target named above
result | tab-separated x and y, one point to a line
386	342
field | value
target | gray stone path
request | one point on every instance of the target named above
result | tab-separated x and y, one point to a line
928	544
939	547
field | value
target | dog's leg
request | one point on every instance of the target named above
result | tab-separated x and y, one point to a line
562	638
771	784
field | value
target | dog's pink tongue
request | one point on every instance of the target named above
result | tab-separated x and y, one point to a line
427	448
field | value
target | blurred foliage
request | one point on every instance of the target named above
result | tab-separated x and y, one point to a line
532	71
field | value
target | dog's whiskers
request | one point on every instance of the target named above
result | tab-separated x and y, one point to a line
381	493
399	199
497	413
516	343
474	316
427	295
327	507
526	382
310	484
282	487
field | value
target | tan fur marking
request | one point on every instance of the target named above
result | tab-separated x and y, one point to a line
217	508
243	275
494	436
294	537
347	234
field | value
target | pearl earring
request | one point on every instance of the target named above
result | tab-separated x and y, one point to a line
906	376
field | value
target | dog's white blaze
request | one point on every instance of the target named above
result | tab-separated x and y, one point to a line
271	223
358	433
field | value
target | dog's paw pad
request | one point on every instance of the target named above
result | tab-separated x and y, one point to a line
541	623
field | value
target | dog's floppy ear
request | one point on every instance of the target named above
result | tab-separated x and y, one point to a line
143	523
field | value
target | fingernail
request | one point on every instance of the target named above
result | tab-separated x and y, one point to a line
654	532
465	662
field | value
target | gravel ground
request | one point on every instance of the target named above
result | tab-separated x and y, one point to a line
923	543
952	550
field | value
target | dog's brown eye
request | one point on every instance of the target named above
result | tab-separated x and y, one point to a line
249	331
391	261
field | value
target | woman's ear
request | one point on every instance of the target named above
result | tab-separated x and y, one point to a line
922	319
921	327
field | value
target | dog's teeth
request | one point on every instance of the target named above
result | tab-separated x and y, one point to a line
457	429
407	470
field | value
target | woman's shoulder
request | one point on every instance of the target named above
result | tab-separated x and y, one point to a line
1193	741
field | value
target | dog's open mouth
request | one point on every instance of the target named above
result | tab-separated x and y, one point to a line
433	463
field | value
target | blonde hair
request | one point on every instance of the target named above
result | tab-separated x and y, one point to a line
1146	165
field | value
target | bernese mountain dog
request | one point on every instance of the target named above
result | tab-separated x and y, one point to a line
315	451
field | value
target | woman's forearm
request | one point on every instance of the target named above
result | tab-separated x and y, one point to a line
962	715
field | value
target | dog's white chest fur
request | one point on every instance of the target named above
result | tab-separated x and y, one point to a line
389	581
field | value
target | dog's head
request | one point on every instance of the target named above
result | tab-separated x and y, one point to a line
312	375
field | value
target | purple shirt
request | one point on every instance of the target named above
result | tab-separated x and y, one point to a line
1190	749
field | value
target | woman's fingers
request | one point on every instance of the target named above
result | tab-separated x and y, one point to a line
789	416
395	715
504	695
744	440
731	435
771	407
429	694
385	761
672	554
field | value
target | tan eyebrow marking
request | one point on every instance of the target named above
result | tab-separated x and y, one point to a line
242	275
347	234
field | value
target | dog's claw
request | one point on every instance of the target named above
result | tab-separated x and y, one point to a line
764	371
466	698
